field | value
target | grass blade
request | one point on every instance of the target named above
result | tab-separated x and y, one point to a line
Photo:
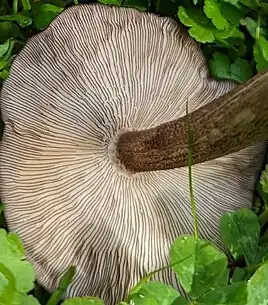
63	284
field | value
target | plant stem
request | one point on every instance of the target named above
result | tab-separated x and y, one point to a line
234	121
66	279
258	27
15	6
26	5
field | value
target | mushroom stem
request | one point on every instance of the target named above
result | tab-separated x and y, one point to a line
228	124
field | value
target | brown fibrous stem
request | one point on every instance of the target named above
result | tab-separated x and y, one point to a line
226	125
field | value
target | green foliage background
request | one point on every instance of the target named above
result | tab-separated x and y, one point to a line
234	37
232	33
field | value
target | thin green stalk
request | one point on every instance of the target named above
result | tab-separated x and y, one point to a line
66	279
190	161
26	5
258	27
15	6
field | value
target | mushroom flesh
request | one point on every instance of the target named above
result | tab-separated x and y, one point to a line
95	74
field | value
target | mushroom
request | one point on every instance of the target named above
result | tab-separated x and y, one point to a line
92	174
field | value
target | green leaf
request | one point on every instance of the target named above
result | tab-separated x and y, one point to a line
141	5
134	290
23	21
262	253
28	300
235	294
3	74
155	293
5	47
241	70
240	232
265	257
3	64
199	265
83	301
8	30
44	14
229	38
11	256
11	245
3	7
264	8
252	25
222	68
239	275
22	271
111	2
7	286
263	44
235	3
180	301
231	12
258	287
201	28
261	63
212	10
236	52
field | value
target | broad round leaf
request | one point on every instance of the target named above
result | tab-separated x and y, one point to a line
22	271
258	287
199	265
155	293
28	300
240	231
7	286
10	245
4	47
235	294
83	301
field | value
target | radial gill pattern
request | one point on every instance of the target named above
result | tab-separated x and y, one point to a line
93	72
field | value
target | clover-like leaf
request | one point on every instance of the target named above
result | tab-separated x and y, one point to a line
5	47
111	2
240	232
11	245
155	293
28	300
44	14
201	28
141	5
12	257
213	11
83	301
22	271
258	287
262	42
235	294
222	68
199	265
7	285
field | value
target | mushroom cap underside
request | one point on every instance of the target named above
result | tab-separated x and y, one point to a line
95	71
